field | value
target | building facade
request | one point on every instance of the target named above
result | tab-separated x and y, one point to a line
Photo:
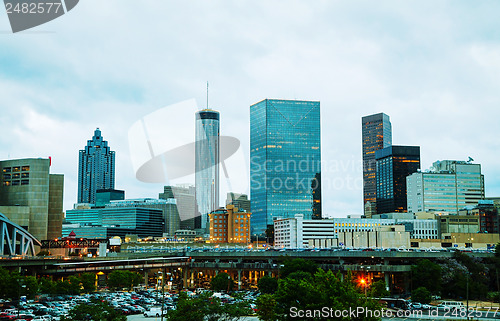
448	186
240	201
96	168
32	197
229	225
393	165
207	164
376	134
115	221
184	197
285	161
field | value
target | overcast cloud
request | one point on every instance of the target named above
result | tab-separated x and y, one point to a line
433	67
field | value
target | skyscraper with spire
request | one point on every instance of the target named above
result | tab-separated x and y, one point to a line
207	164
96	168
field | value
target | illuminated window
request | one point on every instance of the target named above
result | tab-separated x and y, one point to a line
7	169
16	169
25	168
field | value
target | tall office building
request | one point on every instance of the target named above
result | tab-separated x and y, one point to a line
394	164
285	161
240	201
448	186
184	197
207	164
96	168
376	134
32	197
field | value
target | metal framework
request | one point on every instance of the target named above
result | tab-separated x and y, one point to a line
72	243
14	240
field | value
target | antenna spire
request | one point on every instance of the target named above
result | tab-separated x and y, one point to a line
207	94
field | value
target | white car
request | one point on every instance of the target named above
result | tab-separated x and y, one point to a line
154	312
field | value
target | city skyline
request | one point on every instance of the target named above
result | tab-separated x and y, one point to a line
434	72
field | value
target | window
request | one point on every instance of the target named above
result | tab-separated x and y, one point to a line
16	182
25	182
7	169
16	169
25	175
6	176
25	168
16	175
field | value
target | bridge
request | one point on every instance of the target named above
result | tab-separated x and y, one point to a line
15	240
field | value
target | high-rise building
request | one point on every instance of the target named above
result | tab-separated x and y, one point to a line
207	164
96	168
448	186
32	197
184	197
376	134
105	196
240	201
285	161
394	164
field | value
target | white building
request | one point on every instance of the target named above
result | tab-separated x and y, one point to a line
447	186
299	233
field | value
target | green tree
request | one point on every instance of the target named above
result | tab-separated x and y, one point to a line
221	282
379	290
206	308
88	282
47	286
296	265
266	304
426	274
267	284
123	279
95	311
32	287
325	289
421	295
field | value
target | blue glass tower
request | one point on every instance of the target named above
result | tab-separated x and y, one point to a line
285	161
96	168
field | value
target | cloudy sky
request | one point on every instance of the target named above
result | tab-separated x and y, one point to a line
434	67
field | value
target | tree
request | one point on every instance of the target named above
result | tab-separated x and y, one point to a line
421	295
426	274
379	290
267	284
95	311
266	303
47	286
295	265
325	289
206	308
123	279
88	282
32	287
221	282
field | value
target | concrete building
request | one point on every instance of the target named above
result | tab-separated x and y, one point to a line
32	197
299	233
96	168
229	225
285	161
376	134
239	201
207	157
459	224
448	186
459	241
385	237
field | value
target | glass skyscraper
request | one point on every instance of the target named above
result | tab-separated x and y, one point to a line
96	168
448	186
376	134
394	164
285	156
207	164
